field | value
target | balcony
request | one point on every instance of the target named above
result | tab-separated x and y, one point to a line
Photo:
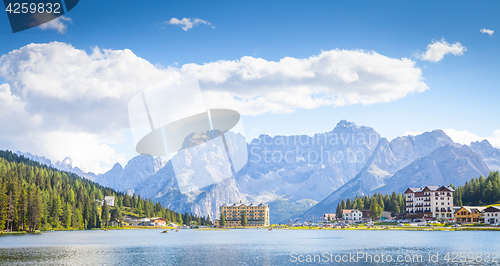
422	211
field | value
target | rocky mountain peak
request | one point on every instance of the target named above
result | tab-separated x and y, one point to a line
345	124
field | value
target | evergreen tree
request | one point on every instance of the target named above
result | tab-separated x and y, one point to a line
244	221
22	205
380	201
222	220
116	215
179	220
348	204
3	207
360	205
105	213
375	209
67	215
10	212
55	211
126	200
366	202
34	210
338	213
394	206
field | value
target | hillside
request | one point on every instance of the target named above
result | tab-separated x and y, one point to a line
38	197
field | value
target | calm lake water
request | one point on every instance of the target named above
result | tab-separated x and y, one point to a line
248	247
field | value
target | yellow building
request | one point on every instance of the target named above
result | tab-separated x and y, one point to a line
257	215
470	214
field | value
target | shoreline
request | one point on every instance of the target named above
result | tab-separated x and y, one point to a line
398	228
20	233
353	228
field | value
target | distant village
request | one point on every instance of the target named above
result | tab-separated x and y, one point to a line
424	204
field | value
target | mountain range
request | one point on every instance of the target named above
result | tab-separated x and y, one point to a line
67	165
305	176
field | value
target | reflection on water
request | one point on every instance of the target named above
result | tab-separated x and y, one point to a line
237	247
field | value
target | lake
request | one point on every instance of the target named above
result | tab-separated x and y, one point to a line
250	247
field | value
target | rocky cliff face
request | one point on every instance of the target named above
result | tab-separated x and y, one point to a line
162	187
304	167
137	169
447	165
204	173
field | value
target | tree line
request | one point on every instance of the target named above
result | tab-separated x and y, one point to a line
38	197
394	203
479	191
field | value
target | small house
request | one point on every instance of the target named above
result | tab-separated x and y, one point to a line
492	215
329	216
470	214
157	221
352	215
110	200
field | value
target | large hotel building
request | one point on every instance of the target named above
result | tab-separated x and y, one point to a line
257	215
429	202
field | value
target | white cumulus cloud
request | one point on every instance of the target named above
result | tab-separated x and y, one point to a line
61	101
466	137
438	49
488	31
60	24
336	78
186	23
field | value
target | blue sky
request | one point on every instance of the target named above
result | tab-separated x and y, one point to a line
462	92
